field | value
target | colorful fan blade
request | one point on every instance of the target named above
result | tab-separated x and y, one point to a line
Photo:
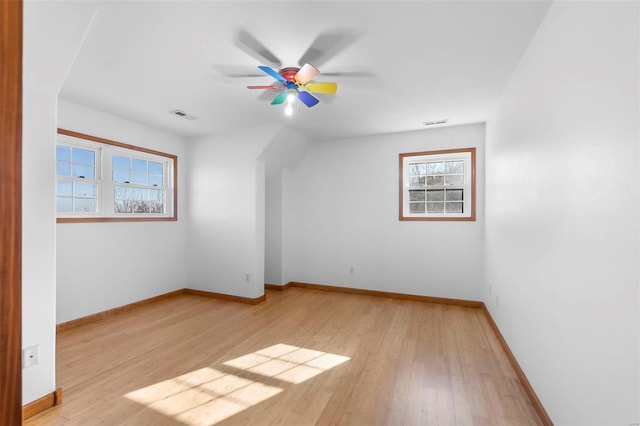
264	87
322	87
279	99
307	98
273	73
306	74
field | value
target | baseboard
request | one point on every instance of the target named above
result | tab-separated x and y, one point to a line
277	287
64	326
535	401
115	311
415	297
226	297
42	404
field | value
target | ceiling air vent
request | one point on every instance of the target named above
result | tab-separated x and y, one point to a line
434	122
183	114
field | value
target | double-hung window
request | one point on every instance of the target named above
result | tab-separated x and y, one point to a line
99	180
438	185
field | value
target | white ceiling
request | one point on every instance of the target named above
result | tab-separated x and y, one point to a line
410	62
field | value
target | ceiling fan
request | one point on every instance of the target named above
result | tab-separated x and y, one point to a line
294	82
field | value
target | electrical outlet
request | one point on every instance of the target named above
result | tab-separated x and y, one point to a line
247	277
352	270
30	356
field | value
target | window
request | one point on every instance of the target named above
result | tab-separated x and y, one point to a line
99	180
438	185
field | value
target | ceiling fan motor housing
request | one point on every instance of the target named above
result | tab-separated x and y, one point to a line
289	73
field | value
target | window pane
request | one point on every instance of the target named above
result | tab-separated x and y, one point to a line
454	194
435	168
139	165
155	180
64	205
454	179
155	168
140	194
84	157
85	190
84	205
454	207
435	207
454	166
121	175
140	207
122	193
63	153
416	169
157	207
139	178
416	181
435	195
435	180
122	206
416	195
156	195
416	207
120	162
64	188
87	172
63	169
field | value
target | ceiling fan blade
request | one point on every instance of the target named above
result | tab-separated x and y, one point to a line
273	73
264	87
306	74
327	45
252	46
279	99
307	98
328	88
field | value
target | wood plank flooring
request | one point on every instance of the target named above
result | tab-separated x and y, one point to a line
304	357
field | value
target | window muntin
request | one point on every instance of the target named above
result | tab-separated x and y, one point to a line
76	188
138	185
438	185
125	182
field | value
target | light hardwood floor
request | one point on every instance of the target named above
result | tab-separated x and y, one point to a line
302	357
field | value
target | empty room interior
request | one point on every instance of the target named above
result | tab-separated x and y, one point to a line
366	184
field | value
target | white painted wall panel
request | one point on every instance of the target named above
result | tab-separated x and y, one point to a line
227	213
101	266
341	211
562	213
38	240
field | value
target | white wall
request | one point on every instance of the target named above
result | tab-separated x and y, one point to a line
49	48
273	229
105	265
226	213
341	210
562	213
38	240
282	153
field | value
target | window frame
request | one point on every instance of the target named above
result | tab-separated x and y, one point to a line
470	177
95	144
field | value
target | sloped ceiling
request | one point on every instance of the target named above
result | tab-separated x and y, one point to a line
402	63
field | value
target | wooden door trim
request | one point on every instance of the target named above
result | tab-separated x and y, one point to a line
11	212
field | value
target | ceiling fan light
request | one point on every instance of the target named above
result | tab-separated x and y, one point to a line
288	111
306	74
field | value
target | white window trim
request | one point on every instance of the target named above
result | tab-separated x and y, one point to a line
465	154
105	150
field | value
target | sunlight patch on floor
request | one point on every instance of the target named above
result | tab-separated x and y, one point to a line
208	395
289	363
